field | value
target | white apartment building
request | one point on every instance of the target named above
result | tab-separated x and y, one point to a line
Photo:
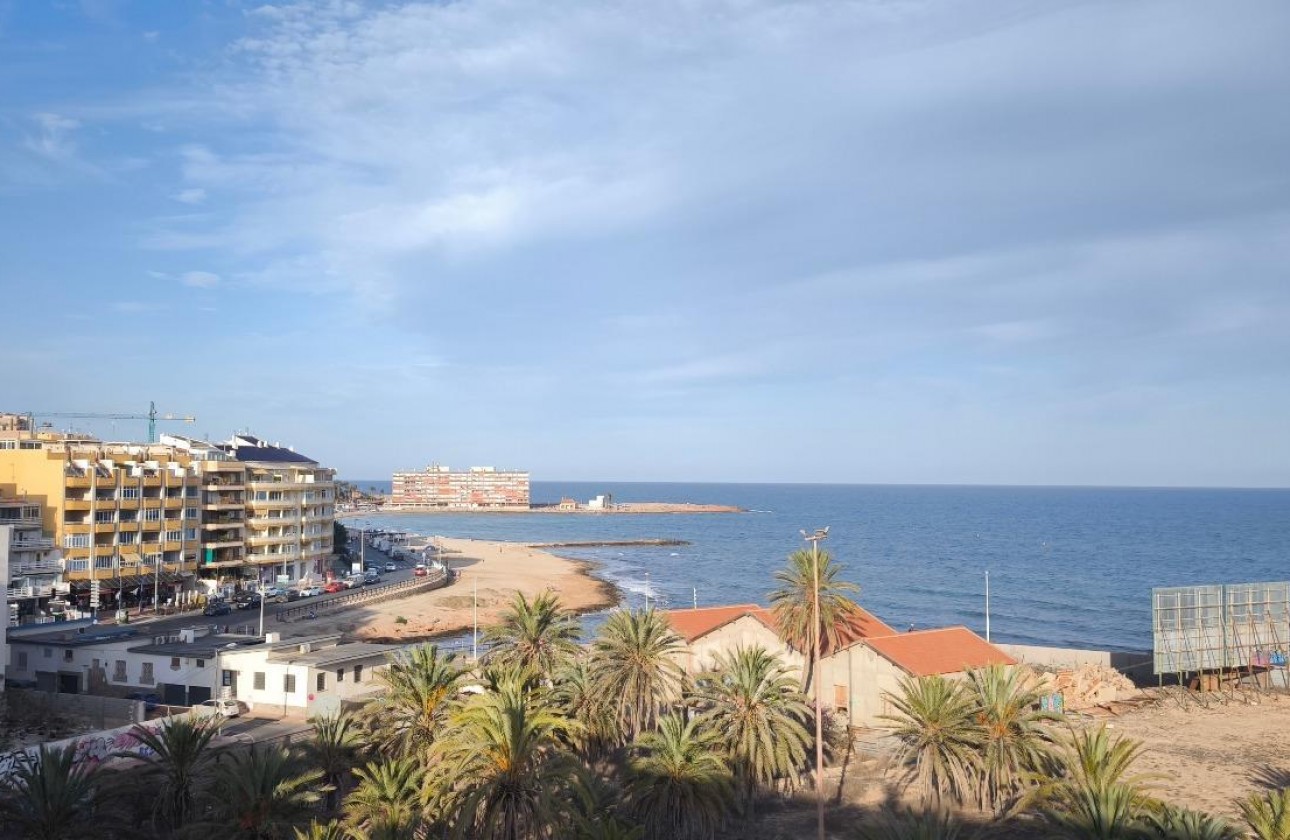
30	566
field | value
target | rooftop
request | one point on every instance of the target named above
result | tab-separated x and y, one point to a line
334	655
947	650
694	623
203	647
248	448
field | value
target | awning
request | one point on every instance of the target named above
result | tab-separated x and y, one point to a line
129	581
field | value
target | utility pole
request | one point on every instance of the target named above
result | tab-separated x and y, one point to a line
647	590
987	605
474	633
261	634
814	540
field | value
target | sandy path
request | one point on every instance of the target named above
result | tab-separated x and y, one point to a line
499	570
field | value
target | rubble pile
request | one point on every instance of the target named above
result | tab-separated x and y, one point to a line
1089	685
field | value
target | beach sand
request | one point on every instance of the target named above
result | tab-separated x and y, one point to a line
498	569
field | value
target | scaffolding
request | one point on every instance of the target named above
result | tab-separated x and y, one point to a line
1228	641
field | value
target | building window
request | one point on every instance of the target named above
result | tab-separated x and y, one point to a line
118	671
174	663
129	492
76	541
152	515
340	675
201	663
67	655
190	513
145	674
22	663
127	538
289	683
78	565
104	517
49	652
258	681
174	536
321	681
190	534
358	673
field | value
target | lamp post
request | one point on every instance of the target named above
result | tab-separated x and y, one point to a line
814	540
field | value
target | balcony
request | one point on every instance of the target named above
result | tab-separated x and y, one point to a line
223	522
281	485
39	544
271	559
222	542
104	527
36	567
77	479
42	591
272	504
76	504
230	483
274	539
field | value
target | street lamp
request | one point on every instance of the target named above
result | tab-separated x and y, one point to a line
814	540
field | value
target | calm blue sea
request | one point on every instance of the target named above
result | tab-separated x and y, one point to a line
1068	566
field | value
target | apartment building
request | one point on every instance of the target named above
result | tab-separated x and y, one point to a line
30	566
125	515
479	488
222	512
290	504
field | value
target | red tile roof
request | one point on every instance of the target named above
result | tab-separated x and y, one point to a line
695	623
692	624
948	650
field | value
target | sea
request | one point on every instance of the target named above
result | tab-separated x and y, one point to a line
1067	566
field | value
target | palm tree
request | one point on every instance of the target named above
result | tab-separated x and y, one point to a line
334	750
536	635
634	667
794	607
324	831
1172	823
908	824
506	753
387	801
421	688
1097	795
933	718
579	698
1268	815
260	794
1013	744
50	796
752	702
177	767
679	786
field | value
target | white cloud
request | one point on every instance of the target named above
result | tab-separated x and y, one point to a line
199	279
194	195
54	138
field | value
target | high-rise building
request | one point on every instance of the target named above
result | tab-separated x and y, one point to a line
124	514
479	488
290	509
30	566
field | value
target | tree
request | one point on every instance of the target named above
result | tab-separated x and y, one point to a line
50	796
1268	814
1096	794
934	720
506	753
324	831
634	667
793	604
261	794
387	801
577	696
339	536
678	787
536	635
421	689
908	824
176	767
1013	745
752	704
1170	823
334	750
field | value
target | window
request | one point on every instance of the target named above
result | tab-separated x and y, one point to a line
174	536
129	492
67	655
190	513
145	674
321	683
190	534
118	671
258	681
78	565
22	664
174	663
49	652
127	538
105	516
358	673
76	541
340	675
840	696
104	562
152	514
289	683
201	663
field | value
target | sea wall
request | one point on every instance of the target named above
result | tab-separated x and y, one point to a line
1131	663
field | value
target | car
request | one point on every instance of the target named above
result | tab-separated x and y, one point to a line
150	701
224	707
246	600
420	570
311	591
285	595
217	608
390	567
371	578
352	581
335	586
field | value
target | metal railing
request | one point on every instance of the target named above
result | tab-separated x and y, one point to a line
366	595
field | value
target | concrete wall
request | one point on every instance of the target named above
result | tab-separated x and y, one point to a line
745	631
103	712
1135	664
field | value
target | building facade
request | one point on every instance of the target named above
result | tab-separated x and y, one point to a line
478	488
30	566
290	509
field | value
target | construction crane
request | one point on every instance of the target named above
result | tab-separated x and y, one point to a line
152	417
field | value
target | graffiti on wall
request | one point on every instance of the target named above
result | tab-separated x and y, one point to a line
98	748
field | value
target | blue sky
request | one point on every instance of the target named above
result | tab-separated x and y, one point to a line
964	242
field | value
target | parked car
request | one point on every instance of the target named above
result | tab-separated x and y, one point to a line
371	578
217	608
335	586
352	581
311	591
285	595
274	592
391	567
246	600
420	570
224	707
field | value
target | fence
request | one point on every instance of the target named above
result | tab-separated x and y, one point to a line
103	712
96	748
366	595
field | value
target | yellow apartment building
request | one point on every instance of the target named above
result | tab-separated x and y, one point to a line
126	516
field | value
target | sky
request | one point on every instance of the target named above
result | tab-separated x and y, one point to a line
685	240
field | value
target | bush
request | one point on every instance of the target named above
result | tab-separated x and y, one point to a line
400	620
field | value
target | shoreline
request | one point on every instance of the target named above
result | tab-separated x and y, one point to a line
490	572
623	509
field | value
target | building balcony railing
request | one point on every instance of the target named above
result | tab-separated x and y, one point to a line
272	539
39	544
222	504
36	567
224	484
41	591
267	559
76	504
223	521
263	504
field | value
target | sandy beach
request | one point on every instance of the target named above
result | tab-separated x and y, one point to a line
498	569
